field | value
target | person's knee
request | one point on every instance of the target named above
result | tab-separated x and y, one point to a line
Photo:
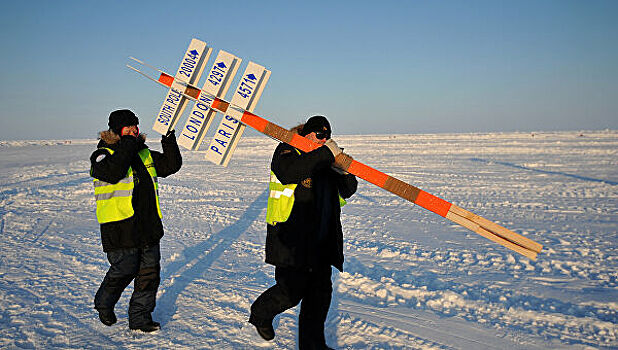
121	275
118	282
287	298
148	279
290	296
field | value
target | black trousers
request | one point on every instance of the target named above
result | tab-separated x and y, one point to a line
314	288
126	265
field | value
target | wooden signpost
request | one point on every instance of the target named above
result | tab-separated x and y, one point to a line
240	113
217	83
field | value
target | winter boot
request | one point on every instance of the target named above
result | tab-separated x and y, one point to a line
267	332
148	327
107	317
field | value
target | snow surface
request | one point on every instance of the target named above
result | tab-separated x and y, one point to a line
412	279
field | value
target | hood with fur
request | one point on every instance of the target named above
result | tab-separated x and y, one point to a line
298	128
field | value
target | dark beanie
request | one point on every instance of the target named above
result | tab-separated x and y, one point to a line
316	123
121	118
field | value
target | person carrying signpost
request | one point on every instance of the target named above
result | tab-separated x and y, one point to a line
304	236
125	176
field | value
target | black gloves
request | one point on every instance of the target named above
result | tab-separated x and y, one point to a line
170	137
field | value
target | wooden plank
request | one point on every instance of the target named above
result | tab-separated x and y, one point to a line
432	203
474	227
497	229
365	172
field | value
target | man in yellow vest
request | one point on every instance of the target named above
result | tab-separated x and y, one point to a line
125	176
304	236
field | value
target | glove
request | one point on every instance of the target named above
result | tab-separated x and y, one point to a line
339	171
131	143
346	159
170	137
332	146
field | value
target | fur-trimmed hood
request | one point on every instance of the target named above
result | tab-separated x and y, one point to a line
112	138
298	128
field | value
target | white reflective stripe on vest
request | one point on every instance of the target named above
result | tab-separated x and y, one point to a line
288	192
114	194
126	180
155	181
273	178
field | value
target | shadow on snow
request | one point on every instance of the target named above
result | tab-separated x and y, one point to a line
202	256
512	165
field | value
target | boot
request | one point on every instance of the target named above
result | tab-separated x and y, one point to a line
147	328
107	317
267	333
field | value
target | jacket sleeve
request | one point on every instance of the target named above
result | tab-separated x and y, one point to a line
291	167
346	184
114	167
170	161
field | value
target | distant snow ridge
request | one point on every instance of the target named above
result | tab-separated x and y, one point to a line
22	143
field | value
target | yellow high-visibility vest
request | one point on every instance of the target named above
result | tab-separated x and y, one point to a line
114	200
281	200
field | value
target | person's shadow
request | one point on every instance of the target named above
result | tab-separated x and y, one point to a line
202	256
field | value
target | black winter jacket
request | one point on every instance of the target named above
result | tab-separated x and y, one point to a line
144	228
312	235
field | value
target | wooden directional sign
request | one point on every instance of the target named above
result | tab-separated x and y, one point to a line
246	96
190	70
467	219
217	83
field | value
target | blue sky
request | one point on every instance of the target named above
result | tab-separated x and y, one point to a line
371	67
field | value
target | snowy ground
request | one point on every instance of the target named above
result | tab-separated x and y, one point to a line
412	279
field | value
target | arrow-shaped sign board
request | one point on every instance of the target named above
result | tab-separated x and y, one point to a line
217	83
246	96
190	70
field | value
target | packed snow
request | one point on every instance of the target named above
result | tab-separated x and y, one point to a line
412	279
